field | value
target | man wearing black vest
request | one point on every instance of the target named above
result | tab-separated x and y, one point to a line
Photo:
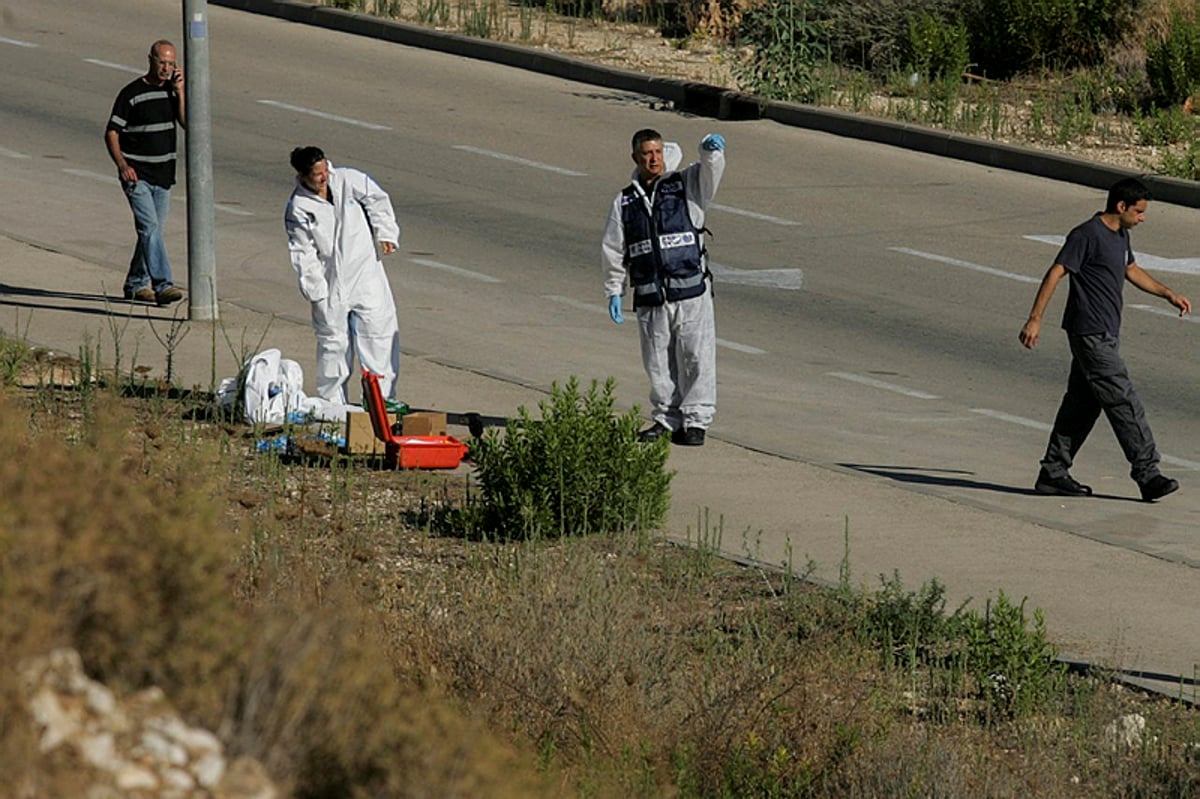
1099	258
140	137
654	240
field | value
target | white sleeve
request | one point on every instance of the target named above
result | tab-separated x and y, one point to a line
377	204
701	179
612	251
302	249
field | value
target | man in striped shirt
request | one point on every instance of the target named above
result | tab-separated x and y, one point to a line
140	137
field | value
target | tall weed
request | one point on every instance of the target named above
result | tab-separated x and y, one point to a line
786	44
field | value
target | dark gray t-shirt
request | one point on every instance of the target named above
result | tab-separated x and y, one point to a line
1096	258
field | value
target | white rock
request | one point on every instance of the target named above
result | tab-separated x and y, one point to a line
1125	731
100	700
178	779
156	746
136	778
209	769
57	724
100	750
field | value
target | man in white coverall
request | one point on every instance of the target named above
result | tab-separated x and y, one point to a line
333	220
654	239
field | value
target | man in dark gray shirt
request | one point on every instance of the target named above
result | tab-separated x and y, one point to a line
1099	258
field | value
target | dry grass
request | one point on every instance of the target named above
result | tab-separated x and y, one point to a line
307	613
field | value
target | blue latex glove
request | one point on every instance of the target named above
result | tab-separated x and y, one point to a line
614	309
712	142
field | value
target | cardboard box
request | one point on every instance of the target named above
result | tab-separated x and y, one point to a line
360	436
423	423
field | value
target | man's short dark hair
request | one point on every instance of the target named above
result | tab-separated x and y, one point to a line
645	135
1129	191
304	158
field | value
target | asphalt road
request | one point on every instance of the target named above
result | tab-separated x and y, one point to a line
868	298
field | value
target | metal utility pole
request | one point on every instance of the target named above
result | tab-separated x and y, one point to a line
202	272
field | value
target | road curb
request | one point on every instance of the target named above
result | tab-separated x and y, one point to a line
713	101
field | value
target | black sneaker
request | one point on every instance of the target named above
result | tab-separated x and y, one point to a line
688	437
1065	486
1158	487
653	433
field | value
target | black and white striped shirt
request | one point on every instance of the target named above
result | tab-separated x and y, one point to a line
144	118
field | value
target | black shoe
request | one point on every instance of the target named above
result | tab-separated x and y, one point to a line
1158	487
1065	486
688	437
653	433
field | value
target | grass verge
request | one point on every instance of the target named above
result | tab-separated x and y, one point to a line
308	613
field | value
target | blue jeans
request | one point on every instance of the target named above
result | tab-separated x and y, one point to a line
149	266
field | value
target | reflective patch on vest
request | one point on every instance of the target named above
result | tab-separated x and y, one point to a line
670	241
640	248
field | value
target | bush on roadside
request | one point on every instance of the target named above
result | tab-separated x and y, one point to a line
874	35
1012	36
784	43
578	470
1173	64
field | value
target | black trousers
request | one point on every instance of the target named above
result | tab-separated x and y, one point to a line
1099	382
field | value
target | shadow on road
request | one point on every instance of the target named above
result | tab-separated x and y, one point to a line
55	301
955	478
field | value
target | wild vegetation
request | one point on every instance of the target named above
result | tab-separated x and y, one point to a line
1114	79
377	633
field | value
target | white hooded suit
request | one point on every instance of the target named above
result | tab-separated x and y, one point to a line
332	244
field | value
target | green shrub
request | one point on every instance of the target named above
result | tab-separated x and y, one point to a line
910	628
1164	126
578	470
1014	667
938	49
786	44
1173	65
1010	36
873	34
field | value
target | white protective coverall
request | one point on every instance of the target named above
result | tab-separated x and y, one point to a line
678	339
332	245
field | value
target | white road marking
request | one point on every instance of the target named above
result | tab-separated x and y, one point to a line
111	65
230	209
1165	310
967	265
880	384
574	303
518	160
17	42
746	348
322	115
12	153
602	308
785	279
83	173
1008	417
1182	463
456	270
112	180
774	220
1152	263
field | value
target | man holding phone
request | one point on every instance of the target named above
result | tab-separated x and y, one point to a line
140	137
